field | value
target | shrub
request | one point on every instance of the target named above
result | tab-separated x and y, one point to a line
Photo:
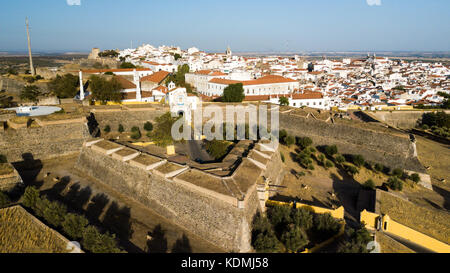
312	149
282	157
395	184
304	142
415	177
3	159
339	159
329	164
135	133
321	158
369	184
397	172
425	127
294	239
4	200
266	242
352	170
74	225
107	129
121	129
289	140
378	167
311	167
148	126
283	135
358	241
331	150
358	160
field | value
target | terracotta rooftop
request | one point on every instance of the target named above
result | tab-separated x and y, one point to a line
156	77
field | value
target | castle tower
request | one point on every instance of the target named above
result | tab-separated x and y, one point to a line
228	52
137	82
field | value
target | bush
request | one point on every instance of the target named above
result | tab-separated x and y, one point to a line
352	170
312	149
3	159
358	160
358	241
395	184
369	184
294	239
96	242
74	225
282	157
121	129
339	159
397	172
107	129
331	150
311	167
304	142
283	134
148	126
378	167
415	177
425	127
4	200
135	133
266	242
289	140
329	164
321	159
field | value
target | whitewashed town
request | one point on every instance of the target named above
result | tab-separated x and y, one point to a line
372	83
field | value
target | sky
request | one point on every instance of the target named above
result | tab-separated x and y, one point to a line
244	25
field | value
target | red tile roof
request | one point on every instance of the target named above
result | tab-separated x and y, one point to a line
156	77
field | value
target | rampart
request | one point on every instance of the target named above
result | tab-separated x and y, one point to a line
43	142
380	145
128	118
219	209
400	119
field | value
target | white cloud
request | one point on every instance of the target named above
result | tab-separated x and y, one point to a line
74	2
373	2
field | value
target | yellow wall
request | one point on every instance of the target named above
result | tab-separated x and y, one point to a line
405	232
369	219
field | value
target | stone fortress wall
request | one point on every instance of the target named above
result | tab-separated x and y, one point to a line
400	119
43	142
219	209
391	148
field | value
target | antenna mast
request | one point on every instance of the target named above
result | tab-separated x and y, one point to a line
29	49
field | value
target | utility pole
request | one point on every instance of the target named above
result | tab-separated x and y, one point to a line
29	49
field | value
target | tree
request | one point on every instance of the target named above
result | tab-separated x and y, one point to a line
234	93
326	225
304	142
282	135
302	218
107	129
339	159
331	150
395	184
148	126
162	134
378	167
64	86
30	197
96	242
329	164
352	170
266	242
283	101
30	93
439	119
126	65
397	172
105	90
4	200
3	159
121	129
358	241
55	213
176	56
294	239
280	217
74	225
